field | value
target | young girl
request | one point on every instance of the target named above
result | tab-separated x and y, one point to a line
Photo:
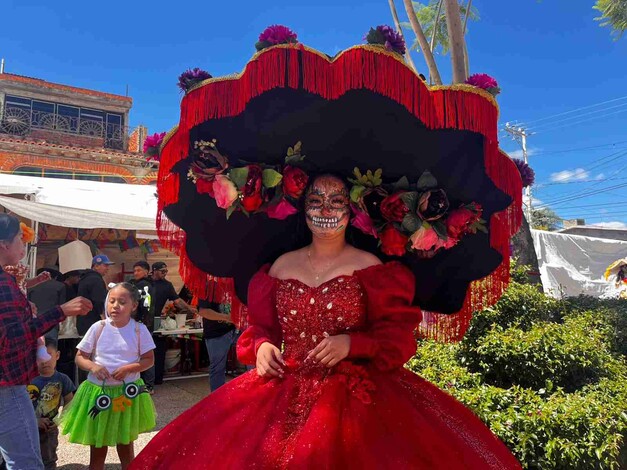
111	407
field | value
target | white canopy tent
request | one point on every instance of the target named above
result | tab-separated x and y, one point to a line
571	265
81	204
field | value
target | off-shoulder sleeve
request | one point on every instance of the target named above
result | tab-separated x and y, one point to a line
262	318
390	318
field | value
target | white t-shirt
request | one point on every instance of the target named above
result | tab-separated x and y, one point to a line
116	347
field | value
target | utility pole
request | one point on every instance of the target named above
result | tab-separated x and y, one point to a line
520	134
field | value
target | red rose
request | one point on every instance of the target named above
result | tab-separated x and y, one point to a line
294	181
251	193
205	186
393	208
393	242
458	222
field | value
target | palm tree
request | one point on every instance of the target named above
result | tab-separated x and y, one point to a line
613	14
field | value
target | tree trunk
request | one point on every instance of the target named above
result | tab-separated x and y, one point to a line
424	44
456	40
525	252
397	24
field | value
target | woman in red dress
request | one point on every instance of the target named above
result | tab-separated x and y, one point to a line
330	329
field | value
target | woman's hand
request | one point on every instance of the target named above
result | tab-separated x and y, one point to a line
121	372
77	306
100	372
270	361
331	350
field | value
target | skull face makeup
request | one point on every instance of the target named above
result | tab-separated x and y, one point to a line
327	207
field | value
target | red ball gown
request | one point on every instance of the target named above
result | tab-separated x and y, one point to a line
368	412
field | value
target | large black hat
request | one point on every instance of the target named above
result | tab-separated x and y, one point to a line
364	108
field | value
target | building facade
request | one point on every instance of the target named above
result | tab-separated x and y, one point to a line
60	131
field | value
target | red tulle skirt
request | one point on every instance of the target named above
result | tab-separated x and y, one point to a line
350	419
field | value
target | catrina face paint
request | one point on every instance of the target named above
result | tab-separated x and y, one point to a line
327	207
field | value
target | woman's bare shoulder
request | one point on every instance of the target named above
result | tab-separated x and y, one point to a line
285	264
363	259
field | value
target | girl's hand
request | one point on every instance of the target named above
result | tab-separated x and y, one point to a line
331	350
121	372
269	361
100	372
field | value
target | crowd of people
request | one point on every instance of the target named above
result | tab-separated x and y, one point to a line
115	357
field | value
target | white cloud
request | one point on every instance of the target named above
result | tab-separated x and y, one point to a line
616	224
577	174
600	176
519	153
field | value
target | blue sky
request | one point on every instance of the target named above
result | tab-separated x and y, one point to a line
550	57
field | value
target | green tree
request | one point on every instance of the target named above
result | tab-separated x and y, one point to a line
545	219
432	18
613	14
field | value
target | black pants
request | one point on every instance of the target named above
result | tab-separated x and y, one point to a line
160	343
49	441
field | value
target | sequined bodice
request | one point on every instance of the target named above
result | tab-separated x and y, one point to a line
309	314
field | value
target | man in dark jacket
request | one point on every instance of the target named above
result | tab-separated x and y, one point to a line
48	295
145	310
92	286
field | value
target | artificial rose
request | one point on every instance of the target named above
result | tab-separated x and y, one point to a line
282	210
432	205
252	200
372	201
224	191
363	222
459	220
294	181
393	208
393	242
424	239
204	186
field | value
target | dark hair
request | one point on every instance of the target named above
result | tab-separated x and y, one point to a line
52	343
143	265
130	288
159	265
9	227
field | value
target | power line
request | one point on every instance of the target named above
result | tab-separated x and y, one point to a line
579	116
574	110
543	152
562	200
581	122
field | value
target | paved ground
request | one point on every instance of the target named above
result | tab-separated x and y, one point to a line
171	399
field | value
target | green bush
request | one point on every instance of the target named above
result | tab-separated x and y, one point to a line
548	376
568	355
521	306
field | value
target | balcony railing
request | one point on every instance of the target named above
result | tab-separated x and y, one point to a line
93	133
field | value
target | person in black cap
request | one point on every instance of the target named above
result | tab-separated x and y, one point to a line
48	295
145	310
92	286
162	292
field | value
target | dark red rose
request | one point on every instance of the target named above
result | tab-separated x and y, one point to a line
294	181
205	186
393	208
393	242
372	200
459	221
251	193
432	205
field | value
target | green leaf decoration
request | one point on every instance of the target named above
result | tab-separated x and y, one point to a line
411	223
482	228
357	192
440	229
298	147
230	210
411	200
401	185
426	181
270	178
239	176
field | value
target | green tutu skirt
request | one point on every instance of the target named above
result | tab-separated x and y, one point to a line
117	420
